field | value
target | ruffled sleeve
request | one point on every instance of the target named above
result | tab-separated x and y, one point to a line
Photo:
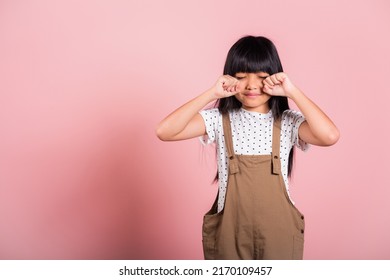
211	120
295	119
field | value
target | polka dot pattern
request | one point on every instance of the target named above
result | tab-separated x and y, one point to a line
252	135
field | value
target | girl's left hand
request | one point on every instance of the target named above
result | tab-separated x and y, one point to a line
278	85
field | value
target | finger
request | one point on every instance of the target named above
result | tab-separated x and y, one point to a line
229	81
280	76
232	88
274	79
226	84
229	88
235	83
235	88
267	89
268	82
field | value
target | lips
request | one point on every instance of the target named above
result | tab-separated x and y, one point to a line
252	94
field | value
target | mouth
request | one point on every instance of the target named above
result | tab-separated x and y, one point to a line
252	94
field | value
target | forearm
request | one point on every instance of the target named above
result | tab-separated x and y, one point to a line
178	120
320	125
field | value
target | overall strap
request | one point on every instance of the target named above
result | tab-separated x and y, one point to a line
276	165
233	164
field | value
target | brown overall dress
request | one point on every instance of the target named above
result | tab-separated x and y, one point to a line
259	220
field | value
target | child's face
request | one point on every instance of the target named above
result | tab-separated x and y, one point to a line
250	92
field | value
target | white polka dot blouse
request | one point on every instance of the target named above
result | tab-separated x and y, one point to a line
252	135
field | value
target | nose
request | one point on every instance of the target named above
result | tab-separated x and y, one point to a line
253	82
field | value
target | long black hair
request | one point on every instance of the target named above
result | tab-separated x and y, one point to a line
250	55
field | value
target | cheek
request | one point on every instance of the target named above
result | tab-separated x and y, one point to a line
240	87
238	97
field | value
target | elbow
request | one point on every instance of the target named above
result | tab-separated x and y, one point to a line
161	134
332	137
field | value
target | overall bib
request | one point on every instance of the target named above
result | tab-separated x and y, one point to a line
259	220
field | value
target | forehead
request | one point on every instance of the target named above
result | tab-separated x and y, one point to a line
262	73
247	65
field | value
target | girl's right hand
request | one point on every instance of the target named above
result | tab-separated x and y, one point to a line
186	122
225	86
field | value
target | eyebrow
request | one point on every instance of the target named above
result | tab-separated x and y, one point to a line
259	75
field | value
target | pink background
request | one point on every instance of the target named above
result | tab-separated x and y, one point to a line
83	85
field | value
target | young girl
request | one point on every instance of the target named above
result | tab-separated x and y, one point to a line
253	216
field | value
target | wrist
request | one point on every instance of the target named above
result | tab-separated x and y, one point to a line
295	93
210	95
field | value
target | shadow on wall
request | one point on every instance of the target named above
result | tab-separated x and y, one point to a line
130	201
141	199
88	200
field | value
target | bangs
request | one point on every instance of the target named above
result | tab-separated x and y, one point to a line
252	55
251	63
